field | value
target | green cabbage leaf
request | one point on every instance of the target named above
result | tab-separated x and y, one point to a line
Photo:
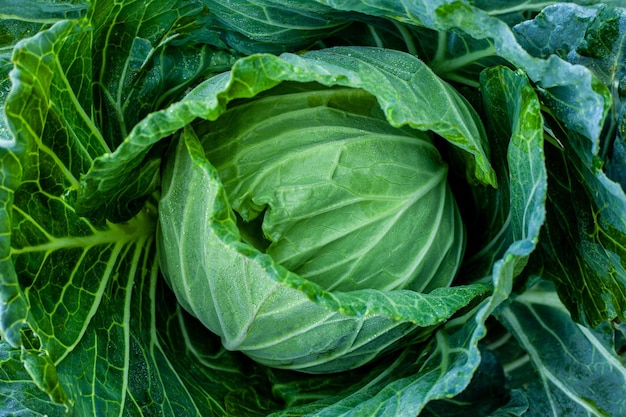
100	101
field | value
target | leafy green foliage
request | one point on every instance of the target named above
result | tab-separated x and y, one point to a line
589	229
524	100
513	109
582	381
274	26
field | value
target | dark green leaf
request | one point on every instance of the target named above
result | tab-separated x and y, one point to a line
19	394
586	223
563	82
74	293
580	252
515	128
486	395
578	372
254	26
42	11
145	56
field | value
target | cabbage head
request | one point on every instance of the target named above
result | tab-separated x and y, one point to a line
307	231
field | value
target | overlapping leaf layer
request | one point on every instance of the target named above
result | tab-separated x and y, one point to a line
524	100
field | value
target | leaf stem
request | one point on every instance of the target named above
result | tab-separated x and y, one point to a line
451	65
519	8
517	363
406	37
377	40
440	55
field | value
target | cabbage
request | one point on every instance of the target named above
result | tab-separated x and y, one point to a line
324	191
143	248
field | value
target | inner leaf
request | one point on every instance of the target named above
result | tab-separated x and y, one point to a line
326	186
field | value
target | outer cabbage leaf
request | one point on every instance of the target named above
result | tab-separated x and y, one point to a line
587	224
72	292
119	76
486	395
407	90
130	62
19	21
580	253
274	26
508	97
461	58
588	380
514	11
41	11
561	81
146	56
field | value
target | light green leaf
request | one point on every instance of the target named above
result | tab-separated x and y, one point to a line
411	94
343	174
